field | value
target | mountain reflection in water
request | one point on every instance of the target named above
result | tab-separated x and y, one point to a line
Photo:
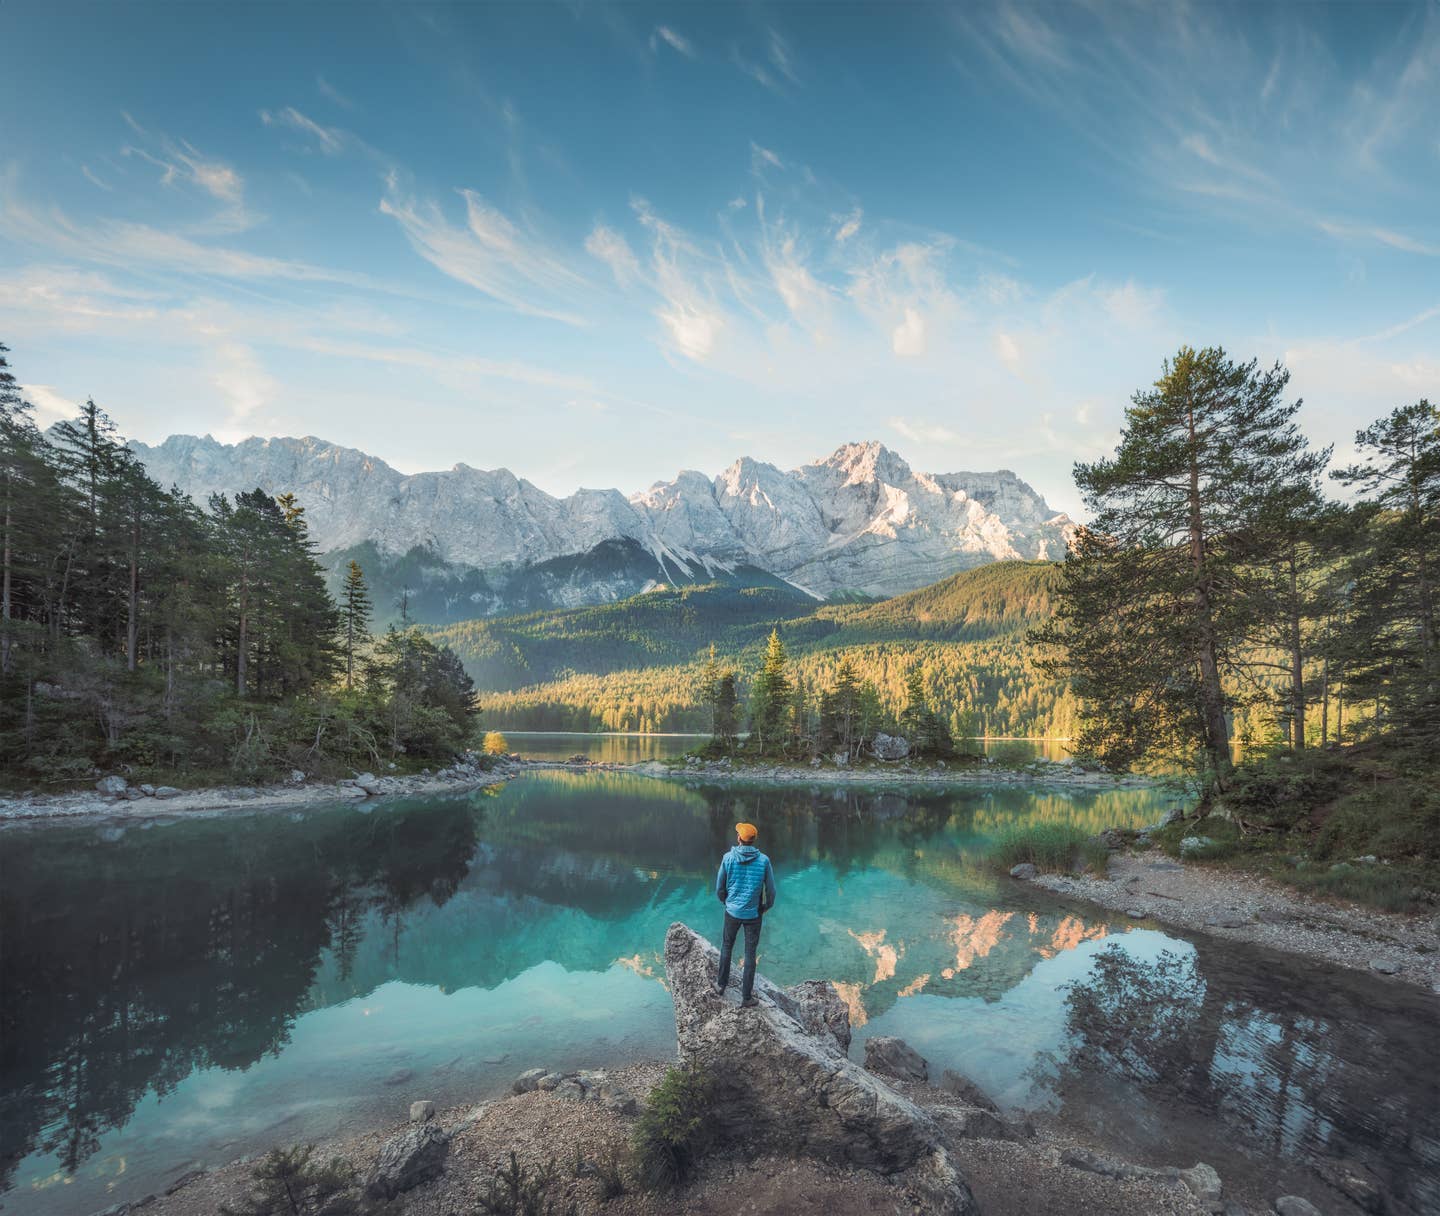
198	989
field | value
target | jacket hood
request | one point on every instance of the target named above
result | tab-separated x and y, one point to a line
746	853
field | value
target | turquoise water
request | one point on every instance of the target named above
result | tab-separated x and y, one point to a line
184	992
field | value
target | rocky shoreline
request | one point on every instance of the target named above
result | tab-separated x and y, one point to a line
114	797
939	775
1251	908
817	1132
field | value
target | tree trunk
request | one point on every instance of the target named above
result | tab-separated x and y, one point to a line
1297	663
242	641
5	593
1212	697
132	625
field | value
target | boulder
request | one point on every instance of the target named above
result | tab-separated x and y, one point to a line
408	1158
1200	1179
297	777
147	789
775	1082
1385	966
894	1057
1293	1205
617	1098
890	747
1025	871
528	1080
113	786
1194	844
422	1112
368	782
166	791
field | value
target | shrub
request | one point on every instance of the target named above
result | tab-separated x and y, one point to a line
1011	753
669	1135
1280	791
289	1183
1389	888
520	1191
1052	847
494	744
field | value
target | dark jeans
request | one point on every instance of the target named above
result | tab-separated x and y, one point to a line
727	948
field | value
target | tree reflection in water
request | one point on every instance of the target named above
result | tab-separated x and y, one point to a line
1156	1053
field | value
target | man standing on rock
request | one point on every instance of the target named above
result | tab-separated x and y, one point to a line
745	884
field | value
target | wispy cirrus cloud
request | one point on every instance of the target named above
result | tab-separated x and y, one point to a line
674	40
490	253
181	163
330	140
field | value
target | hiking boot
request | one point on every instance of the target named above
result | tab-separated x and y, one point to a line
749	1003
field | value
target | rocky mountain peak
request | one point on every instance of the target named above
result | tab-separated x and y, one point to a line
860	519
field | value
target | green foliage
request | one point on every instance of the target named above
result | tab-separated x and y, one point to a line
640	664
1389	888
139	631
1397	820
1011	753
287	1182
1049	847
519	1190
1160	595
1280	791
669	1136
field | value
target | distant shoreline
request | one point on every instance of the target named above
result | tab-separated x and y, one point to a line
721	773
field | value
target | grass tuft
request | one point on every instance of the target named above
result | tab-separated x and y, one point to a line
1051	847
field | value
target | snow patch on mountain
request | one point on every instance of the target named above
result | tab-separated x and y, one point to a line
858	520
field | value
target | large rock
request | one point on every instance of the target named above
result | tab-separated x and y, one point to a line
890	747
112	785
368	782
894	1057
776	1082
821	1009
408	1158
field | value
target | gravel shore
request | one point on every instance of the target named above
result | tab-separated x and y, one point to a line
1249	907
919	777
1009	1178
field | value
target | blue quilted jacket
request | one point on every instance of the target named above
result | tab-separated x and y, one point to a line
745	882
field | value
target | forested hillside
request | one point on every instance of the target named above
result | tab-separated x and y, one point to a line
141	632
637	664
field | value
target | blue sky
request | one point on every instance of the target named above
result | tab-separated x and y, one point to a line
598	243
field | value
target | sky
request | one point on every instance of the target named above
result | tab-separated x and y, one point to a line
598	243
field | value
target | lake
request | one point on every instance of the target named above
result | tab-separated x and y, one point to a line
187	991
628	748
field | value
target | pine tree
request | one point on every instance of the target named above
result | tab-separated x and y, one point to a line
726	715
1153	607
1394	649
770	696
355	614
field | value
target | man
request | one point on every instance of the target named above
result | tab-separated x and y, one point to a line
745	884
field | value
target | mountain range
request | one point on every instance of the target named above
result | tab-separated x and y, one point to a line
470	542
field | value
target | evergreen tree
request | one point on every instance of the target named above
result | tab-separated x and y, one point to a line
1154	605
355	615
770	696
710	686
726	714
1394	651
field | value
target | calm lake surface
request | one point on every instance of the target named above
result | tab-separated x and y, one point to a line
621	748
182	992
